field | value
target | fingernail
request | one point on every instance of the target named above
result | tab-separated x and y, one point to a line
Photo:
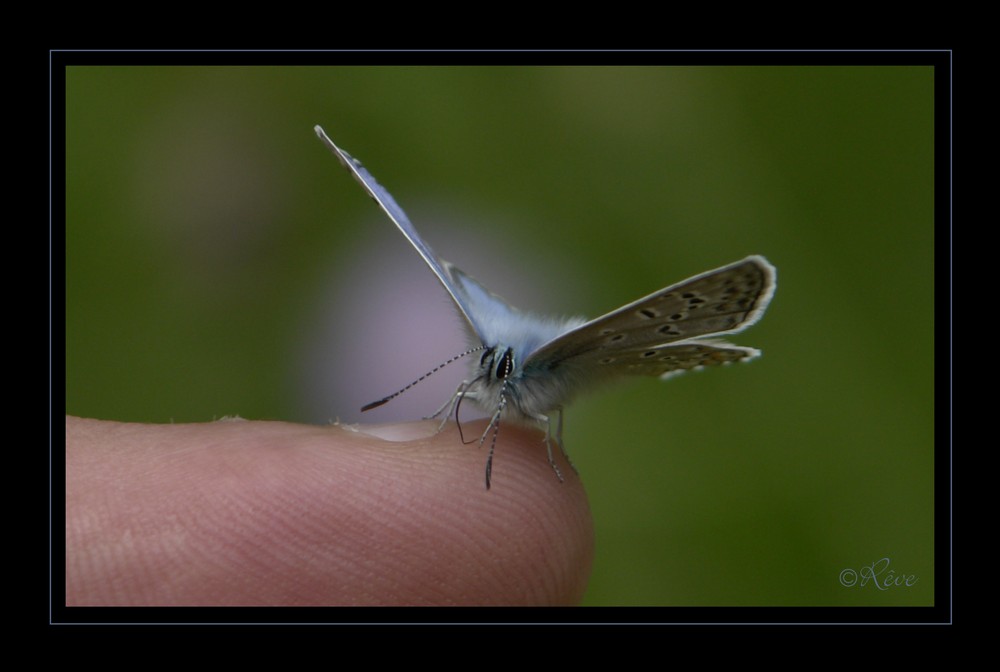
409	431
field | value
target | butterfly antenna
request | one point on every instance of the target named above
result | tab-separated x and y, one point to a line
376	404
495	423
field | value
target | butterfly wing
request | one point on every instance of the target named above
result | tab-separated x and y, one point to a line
473	300
662	333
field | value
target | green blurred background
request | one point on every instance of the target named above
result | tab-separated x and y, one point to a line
214	247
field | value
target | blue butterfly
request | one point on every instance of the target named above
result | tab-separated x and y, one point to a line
529	367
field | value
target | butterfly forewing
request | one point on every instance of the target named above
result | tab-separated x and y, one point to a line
637	338
442	269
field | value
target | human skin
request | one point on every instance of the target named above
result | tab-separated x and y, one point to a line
269	513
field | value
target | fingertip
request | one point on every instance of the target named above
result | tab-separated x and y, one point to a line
277	513
529	537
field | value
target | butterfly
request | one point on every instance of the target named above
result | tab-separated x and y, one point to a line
529	367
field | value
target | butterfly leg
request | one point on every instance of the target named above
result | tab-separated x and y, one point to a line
547	421
450	405
559	440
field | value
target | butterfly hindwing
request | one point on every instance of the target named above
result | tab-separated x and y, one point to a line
650	336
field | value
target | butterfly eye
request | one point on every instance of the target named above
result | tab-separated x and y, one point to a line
487	353
506	364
